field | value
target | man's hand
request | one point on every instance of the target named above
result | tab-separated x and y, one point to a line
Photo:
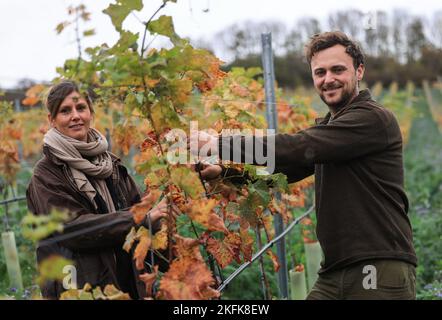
210	171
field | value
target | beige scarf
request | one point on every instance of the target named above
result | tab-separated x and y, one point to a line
71	151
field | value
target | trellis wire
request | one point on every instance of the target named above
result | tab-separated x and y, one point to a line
264	249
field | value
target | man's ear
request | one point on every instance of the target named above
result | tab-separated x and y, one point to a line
360	72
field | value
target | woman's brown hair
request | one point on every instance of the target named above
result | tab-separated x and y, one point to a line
59	92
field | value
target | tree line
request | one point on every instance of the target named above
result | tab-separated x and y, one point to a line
399	46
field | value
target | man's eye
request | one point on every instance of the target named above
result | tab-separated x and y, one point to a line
339	70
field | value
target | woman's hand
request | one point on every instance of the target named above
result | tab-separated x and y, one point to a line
161	210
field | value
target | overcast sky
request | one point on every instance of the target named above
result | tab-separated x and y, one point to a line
30	47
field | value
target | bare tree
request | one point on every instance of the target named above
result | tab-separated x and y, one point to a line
416	39
399	22
436	29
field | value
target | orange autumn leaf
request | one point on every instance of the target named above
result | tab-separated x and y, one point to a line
187	279
267	222
202	211
188	181
299	268
152	82
239	90
141	209
306	221
274	259
279	207
130	239
144	243
33	95
247	240
187	247
177	197
159	241
225	251
149	280
125	136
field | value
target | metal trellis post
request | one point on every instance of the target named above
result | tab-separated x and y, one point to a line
269	86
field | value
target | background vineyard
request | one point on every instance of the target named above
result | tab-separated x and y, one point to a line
423	184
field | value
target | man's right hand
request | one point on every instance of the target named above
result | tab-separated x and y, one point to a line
210	171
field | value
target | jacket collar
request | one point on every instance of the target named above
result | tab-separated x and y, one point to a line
364	95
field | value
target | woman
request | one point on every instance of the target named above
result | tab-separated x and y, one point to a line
77	173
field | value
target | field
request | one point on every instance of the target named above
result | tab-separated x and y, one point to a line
423	185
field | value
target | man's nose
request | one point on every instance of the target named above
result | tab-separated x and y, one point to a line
329	77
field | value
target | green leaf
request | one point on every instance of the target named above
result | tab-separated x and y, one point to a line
51	268
259	191
118	12
126	41
60	27
280	182
164	26
247	210
188	181
89	32
39	227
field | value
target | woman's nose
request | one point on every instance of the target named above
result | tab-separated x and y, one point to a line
75	114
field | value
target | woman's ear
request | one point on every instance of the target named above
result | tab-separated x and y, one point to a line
50	120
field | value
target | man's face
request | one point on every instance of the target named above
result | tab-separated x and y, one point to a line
334	76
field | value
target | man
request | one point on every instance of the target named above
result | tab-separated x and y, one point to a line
355	153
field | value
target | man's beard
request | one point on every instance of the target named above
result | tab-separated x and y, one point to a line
347	95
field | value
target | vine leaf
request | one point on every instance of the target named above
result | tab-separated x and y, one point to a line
33	95
274	259
142	248
164	26
225	251
247	240
188	181
149	280
159	241
202	211
130	239
188	277
120	10
140	210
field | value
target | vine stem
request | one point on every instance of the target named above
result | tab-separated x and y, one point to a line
157	135
78	40
146	25
264	281
212	261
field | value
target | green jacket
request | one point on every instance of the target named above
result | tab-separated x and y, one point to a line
361	205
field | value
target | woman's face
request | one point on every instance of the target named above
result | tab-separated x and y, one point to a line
73	117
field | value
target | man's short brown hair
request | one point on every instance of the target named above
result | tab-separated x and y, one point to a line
322	41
